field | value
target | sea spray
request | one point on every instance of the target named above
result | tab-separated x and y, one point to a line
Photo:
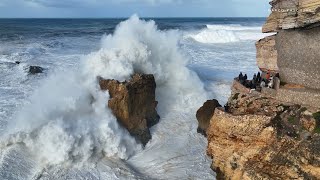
220	34
67	119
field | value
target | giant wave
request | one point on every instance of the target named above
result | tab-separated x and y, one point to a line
67	123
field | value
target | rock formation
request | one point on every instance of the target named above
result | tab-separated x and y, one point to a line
289	14
261	138
267	53
35	70
133	103
275	133
204	115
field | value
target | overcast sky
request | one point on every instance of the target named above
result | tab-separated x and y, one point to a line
125	8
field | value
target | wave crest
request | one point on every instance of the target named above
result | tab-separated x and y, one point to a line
226	34
67	119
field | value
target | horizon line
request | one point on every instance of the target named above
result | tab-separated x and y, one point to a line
178	17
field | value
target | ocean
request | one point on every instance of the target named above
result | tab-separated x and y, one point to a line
49	128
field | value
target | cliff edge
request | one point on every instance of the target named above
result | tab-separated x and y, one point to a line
274	132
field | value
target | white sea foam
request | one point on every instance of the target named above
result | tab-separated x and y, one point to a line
233	27
226	34
67	119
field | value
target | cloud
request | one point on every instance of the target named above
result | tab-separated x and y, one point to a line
125	8
92	3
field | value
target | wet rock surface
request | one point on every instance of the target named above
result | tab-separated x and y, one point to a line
133	104
35	70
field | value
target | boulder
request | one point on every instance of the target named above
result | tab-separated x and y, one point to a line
35	70
204	115
133	104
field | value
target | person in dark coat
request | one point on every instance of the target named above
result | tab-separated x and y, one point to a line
258	77
254	81
240	76
245	77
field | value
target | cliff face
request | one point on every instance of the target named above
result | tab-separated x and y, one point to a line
275	133
260	138
289	14
294	49
298	56
133	103
267	54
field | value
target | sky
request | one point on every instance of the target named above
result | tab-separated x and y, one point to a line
125	8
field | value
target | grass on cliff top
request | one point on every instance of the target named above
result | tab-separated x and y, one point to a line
316	116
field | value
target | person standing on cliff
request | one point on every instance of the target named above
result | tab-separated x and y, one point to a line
268	75
254	81
240	77
258	77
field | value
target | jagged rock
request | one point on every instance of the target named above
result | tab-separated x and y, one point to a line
289	14
133	103
267	54
35	70
264	145
204	115
17	62
244	103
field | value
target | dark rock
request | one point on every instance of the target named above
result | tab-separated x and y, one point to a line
17	62
133	103
204	115
35	70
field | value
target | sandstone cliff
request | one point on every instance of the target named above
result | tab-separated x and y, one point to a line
267	53
275	133
294	49
134	104
289	14
261	138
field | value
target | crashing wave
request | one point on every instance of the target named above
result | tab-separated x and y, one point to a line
226	34
215	36
67	120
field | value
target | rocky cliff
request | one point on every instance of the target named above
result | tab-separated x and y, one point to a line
289	14
261	138
275	133
267	54
294	48
133	103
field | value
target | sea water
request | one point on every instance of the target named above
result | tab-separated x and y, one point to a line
49	127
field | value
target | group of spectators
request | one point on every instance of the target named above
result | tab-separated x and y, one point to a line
258	81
